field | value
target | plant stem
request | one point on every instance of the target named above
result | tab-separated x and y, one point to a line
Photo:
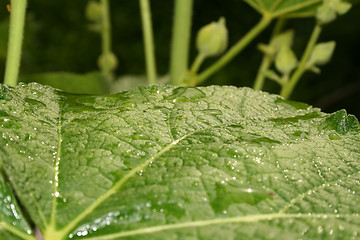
260	78
267	60
288	88
148	40
180	41
17	23
106	36
236	49
197	63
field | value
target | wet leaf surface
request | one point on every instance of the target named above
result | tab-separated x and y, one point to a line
12	222
180	163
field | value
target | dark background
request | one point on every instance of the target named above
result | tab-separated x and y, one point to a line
57	39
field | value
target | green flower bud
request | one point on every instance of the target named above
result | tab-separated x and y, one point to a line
212	39
283	39
108	62
285	60
328	11
342	7
93	11
325	14
321	54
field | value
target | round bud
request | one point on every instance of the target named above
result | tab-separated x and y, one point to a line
212	39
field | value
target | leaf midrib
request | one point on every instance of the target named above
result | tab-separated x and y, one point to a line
56	169
116	187
70	226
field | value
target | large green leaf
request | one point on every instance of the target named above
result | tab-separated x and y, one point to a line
180	163
12	222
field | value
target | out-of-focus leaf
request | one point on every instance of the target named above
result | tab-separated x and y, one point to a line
90	83
294	8
131	81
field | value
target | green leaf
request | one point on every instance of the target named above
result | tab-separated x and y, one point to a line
296	8
12	222
180	163
89	83
293	8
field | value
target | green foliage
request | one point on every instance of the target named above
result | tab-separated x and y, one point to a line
12	222
90	83
180	163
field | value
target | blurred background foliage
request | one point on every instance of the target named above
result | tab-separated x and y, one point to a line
57	39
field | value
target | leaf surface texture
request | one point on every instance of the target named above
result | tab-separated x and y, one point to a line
180	163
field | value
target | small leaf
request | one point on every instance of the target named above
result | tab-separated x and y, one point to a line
315	69
285	60
341	122
266	49
272	75
321	53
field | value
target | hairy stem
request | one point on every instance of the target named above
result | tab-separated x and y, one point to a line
267	60
289	87
17	23
235	50
148	40
180	41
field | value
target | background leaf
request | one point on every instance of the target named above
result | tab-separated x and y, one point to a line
293	7
180	163
90	83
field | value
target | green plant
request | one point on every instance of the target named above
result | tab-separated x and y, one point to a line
170	162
